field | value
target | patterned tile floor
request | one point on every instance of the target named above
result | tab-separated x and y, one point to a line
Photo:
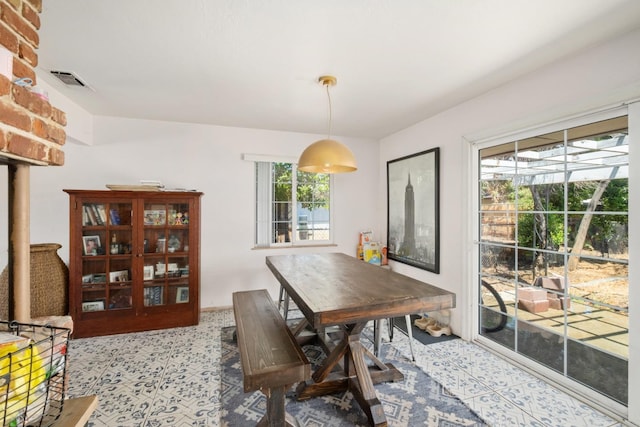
172	378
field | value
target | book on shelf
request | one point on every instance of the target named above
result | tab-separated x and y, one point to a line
114	215
91	219
153	295
94	214
102	214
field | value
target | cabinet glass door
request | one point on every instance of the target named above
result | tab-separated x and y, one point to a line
106	256
166	254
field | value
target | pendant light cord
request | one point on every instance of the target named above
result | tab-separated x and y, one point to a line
329	98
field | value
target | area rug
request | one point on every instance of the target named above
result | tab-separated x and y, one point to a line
418	400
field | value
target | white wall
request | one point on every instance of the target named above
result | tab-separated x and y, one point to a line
209	159
598	77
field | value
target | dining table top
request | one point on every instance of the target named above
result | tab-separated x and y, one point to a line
335	288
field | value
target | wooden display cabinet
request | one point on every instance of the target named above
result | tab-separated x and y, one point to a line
134	260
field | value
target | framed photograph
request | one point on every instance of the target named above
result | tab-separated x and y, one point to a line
147	272
155	217
182	294
87	278
91	245
161	269
93	305
413	210
119	276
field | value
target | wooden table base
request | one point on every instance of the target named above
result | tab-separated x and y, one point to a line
346	368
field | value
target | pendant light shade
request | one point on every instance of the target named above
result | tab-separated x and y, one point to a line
327	155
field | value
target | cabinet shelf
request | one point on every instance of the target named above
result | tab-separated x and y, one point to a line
126	275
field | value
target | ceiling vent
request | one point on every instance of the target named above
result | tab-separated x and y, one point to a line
69	78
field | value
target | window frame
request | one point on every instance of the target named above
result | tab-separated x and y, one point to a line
475	144
295	242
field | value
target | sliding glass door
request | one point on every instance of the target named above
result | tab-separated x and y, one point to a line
552	242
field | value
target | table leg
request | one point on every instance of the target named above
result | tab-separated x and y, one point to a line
356	375
362	386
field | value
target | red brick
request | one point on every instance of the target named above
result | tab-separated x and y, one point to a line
56	157
15	117
8	39
5	85
37	5
39	128
57	134
557	302
20	70
26	147
49	131
20	25
32	102
14	3
58	116
3	141
27	53
532	294
31	15
533	306
553	283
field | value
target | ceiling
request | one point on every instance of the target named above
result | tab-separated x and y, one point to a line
255	64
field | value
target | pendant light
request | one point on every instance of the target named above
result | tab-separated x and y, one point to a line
327	155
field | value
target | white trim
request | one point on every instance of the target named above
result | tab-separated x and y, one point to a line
469	298
269	158
634	262
554	125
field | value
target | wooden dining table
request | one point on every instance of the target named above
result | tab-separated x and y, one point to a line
338	295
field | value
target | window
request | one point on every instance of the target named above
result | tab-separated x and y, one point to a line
553	243
285	217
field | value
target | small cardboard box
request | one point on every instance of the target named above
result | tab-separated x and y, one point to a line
533	306
532	294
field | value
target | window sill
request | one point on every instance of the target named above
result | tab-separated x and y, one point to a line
319	245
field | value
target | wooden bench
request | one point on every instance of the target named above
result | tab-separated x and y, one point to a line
272	361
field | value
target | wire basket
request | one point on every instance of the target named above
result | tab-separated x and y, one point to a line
33	361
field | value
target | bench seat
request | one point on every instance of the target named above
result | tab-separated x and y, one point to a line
271	359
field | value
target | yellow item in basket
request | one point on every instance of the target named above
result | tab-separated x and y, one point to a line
21	371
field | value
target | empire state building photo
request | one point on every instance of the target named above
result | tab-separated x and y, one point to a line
413	216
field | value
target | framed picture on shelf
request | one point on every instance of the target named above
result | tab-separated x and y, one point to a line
161	269
87	278
119	276
147	272
413	211
155	217
93	305
182	294
91	245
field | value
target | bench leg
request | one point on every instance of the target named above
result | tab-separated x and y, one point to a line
276	415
